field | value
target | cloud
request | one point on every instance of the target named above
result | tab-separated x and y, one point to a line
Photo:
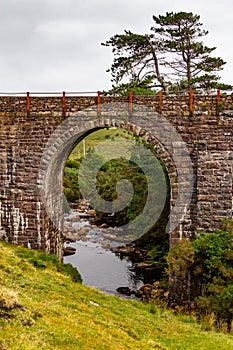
55	44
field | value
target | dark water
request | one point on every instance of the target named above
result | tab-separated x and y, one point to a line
102	269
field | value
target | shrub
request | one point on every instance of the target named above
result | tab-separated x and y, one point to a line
204	270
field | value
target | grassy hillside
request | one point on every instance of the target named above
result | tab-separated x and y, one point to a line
42	307
95	138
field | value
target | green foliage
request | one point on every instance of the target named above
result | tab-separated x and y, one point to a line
223	86
109	175
191	60
181	257
139	88
208	259
72	163
135	57
215	254
70	182
171	57
214	251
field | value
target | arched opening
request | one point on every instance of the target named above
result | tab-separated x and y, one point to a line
86	225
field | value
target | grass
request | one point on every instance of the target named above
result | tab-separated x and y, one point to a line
42	307
95	138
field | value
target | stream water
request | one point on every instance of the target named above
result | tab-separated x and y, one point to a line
102	269
98	265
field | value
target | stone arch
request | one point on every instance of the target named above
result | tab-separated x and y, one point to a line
150	126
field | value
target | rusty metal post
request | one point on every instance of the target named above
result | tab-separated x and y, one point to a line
190	103
28	103
160	101
130	102
218	96
218	100
98	104
63	104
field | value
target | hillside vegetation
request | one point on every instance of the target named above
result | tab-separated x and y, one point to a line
44	306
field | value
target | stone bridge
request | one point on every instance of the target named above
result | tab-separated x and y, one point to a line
191	134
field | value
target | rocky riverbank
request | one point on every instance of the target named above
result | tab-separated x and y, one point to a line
147	292
81	220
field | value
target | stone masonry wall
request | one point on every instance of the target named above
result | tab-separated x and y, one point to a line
25	130
23	219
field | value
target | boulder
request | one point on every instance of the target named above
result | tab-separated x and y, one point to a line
124	290
149	292
69	251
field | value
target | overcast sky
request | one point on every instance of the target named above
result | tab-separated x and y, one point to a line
54	45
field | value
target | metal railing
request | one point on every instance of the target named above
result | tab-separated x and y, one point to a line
160	96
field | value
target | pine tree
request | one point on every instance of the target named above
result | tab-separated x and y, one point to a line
189	61
137	57
171	57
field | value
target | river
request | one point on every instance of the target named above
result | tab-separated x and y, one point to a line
98	265
102	269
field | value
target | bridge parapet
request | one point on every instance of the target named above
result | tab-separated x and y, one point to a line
173	105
